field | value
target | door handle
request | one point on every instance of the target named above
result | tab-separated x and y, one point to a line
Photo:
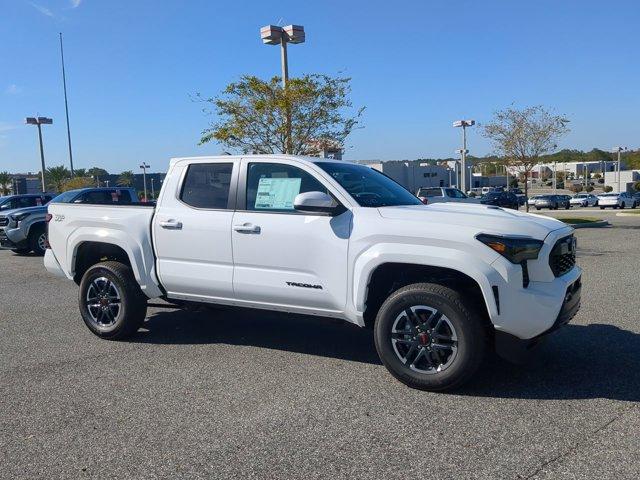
247	228
171	224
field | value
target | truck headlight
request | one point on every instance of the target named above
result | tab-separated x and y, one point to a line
15	219
514	249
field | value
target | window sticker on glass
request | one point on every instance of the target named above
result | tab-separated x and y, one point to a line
277	193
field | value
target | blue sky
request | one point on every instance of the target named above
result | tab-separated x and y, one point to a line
133	65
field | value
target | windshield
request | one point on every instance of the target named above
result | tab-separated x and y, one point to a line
455	193
367	186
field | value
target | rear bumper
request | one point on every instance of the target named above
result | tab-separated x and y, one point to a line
52	265
517	350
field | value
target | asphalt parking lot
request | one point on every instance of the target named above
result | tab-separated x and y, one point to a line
247	394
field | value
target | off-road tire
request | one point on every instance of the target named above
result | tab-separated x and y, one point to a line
471	336
37	234
133	303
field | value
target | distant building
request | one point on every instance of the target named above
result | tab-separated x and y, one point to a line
22	183
572	169
325	148
414	174
627	179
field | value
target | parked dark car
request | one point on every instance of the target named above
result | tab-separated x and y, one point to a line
500	199
564	201
13	202
99	196
552	202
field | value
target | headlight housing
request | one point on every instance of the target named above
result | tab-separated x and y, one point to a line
514	249
18	218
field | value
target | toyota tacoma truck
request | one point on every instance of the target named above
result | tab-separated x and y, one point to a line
440	285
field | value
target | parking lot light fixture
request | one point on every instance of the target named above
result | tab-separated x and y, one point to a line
144	167
463	152
618	150
275	35
38	122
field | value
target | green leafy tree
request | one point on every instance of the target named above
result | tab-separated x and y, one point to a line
126	178
77	182
254	115
5	182
636	186
522	136
96	173
80	172
608	188
56	176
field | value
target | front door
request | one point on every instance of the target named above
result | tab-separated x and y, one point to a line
281	256
192	230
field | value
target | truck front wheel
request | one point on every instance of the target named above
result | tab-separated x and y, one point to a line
38	240
427	337
111	302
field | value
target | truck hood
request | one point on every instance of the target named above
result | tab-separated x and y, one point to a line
30	210
483	218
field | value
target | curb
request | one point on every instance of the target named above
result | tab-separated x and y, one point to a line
598	224
627	215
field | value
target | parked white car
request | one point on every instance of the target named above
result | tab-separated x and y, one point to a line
532	200
584	200
439	284
430	195
616	200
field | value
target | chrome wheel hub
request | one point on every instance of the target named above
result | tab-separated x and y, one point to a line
424	339
103	302
42	241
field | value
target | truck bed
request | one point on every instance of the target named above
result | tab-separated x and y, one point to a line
125	226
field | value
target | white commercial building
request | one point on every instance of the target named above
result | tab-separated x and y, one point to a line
626	181
414	174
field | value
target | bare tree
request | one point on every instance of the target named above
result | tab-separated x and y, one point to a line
521	136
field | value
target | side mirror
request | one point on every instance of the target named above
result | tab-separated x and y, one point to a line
318	202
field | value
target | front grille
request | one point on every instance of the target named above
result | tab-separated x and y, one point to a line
563	256
4	221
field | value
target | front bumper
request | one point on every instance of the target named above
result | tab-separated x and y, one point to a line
518	350
7	244
12	239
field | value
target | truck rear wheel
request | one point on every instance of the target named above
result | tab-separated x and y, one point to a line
111	302
427	337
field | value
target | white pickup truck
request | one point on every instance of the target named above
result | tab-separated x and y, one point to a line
440	284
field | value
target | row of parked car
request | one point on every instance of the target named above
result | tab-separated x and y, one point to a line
513	198
603	200
497	197
23	218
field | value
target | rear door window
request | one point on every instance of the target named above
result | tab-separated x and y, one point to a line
207	185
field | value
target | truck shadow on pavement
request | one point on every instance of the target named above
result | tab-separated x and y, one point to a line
577	362
260	328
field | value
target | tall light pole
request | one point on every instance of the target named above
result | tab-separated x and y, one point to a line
274	35
144	167
66	105
618	150
39	121
153	190
463	152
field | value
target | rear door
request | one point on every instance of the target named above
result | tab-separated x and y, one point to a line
283	256
192	229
